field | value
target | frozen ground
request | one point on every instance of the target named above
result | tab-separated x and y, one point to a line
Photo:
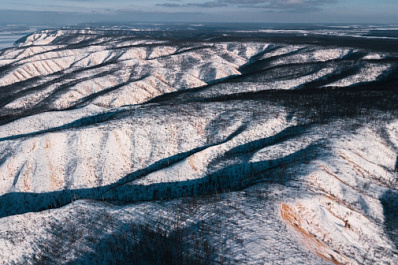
147	147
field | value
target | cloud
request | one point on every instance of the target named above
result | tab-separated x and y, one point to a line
169	5
209	4
59	18
286	5
269	5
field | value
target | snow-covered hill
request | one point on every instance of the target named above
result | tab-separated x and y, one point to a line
118	146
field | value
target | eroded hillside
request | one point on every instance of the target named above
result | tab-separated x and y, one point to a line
130	146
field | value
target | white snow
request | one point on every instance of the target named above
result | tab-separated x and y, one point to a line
92	141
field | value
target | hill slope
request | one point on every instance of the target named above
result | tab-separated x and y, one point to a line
120	145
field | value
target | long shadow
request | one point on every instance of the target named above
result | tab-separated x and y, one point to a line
59	76
86	100
83	122
389	200
18	202
396	165
338	74
43	106
257	57
180	51
363	101
253	67
128	242
245	151
232	177
261	64
345	67
284	71
189	94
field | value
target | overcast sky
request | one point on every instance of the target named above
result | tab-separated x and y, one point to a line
69	12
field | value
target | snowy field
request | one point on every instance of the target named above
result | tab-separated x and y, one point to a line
156	146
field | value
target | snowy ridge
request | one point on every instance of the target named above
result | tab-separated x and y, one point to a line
116	146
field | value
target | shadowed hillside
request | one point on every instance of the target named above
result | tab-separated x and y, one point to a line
198	146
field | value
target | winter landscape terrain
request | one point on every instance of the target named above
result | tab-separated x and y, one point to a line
10	33
200	145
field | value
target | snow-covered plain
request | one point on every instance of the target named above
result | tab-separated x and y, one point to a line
116	148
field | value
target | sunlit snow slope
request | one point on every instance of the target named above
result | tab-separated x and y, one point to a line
121	147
